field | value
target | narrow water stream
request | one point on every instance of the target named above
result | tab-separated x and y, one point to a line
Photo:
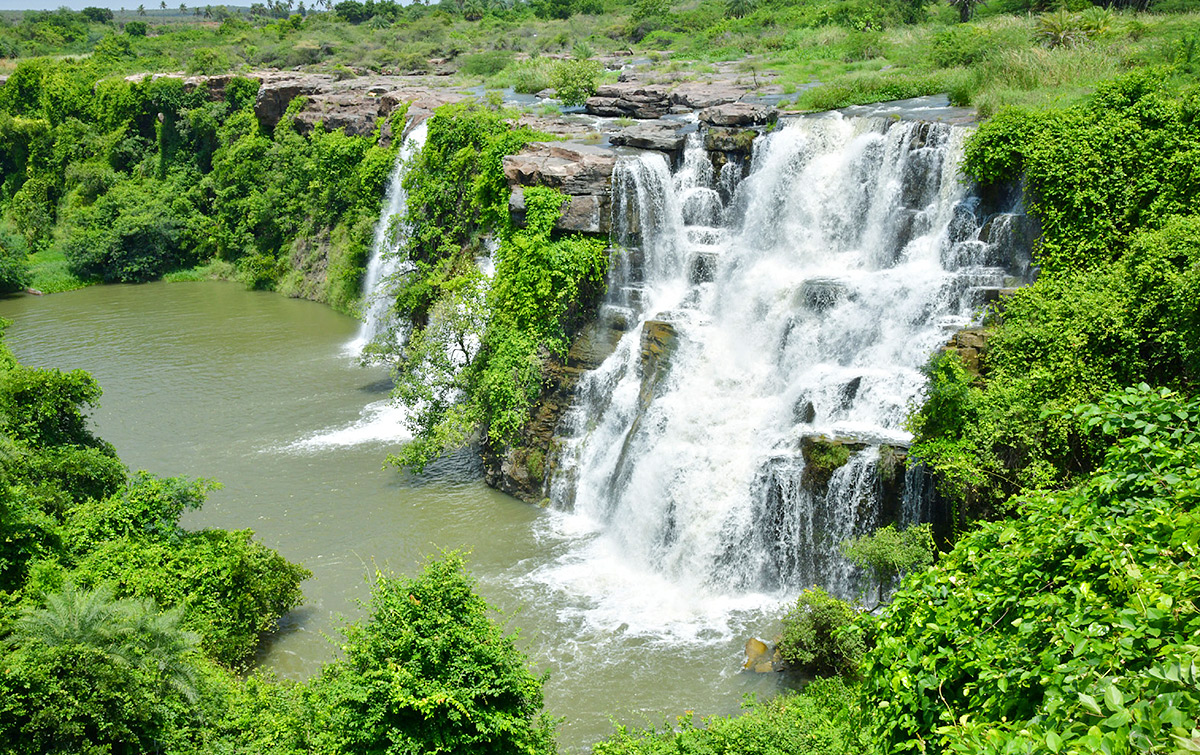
256	391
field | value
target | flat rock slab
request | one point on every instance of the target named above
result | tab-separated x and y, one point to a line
739	114
659	135
630	99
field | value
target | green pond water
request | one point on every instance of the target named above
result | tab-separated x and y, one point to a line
257	391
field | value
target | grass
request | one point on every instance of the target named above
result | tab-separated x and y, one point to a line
50	274
211	270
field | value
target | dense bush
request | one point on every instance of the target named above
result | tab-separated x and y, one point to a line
827	718
1070	628
814	638
1109	183
429	672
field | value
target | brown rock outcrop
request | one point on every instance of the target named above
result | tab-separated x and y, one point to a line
581	171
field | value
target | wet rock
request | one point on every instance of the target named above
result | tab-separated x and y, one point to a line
804	411
761	658
739	114
822	294
703	268
823	456
849	391
659	340
658	135
730	140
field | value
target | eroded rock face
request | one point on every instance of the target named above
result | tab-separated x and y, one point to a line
658	135
277	92
581	171
631	99
524	469
659	339
739	114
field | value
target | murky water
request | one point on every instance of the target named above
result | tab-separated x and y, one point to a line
256	391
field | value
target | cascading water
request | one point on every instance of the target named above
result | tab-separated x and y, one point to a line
380	421
383	264
796	313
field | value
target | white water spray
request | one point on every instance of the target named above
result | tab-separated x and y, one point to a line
804	308
384	264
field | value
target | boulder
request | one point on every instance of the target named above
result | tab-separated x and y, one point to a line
585	213
822	294
630	99
731	140
739	114
215	85
355	113
761	658
696	96
658	135
570	168
582	172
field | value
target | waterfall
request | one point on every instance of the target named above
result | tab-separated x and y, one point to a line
384	264
765	315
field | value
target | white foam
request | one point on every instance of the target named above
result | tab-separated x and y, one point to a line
379	422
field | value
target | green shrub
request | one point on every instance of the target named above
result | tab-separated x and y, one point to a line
429	671
486	63
530	76
826	718
814	638
14	262
1070	628
888	553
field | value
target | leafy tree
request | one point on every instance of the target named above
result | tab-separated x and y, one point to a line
430	672
97	15
575	80
91	674
888	553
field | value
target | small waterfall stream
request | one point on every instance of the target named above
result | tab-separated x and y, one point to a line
762	314
383	264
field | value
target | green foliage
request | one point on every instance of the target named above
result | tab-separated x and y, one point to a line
1108	182
430	672
486	63
135	28
94	674
575	80
1071	628
14	263
815	639
826	718
888	553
